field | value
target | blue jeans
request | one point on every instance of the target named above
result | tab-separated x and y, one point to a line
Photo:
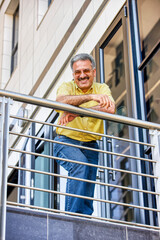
75	204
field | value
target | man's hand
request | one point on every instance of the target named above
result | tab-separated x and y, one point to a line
102	99
77	100
105	104
108	108
67	117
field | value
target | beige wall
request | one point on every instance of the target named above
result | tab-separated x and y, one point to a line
47	40
41	53
45	46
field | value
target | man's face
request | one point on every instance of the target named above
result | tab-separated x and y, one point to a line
83	74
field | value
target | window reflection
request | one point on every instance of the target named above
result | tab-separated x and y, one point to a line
149	24
15	40
115	79
152	89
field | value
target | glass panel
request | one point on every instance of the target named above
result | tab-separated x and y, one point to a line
15	55
114	75
16	27
115	78
41	181
49	2
152	89
15	40
149	24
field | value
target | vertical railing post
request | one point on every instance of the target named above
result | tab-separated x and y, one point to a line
4	134
155	139
2	110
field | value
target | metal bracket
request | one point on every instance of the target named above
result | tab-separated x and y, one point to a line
155	140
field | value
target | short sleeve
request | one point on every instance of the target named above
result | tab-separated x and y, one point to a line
65	89
104	89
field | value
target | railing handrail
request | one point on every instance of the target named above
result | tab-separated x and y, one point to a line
111	169
82	111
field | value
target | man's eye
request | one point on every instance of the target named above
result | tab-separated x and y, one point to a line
85	71
77	72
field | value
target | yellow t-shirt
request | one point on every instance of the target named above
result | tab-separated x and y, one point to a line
85	123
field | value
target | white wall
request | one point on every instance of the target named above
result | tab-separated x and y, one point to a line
38	43
41	54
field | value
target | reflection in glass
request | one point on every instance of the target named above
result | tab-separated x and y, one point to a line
149	24
15	40
115	78
41	181
152	89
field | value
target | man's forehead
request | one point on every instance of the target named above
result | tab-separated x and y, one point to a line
82	63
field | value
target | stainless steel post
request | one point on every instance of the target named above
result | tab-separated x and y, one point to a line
4	158
2	108
155	139
1	138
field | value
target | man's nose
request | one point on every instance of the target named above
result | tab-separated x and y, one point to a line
82	75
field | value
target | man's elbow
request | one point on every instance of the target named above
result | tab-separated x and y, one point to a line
113	109
60	99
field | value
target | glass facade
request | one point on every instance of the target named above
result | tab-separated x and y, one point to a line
113	73
114	70
149	25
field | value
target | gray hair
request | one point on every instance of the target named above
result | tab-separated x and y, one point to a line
83	57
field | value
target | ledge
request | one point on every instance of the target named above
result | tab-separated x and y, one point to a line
29	224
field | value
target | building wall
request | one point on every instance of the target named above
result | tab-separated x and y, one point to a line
44	48
47	39
42	225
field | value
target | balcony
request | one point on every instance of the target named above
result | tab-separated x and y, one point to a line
127	194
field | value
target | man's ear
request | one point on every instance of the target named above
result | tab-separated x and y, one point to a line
94	72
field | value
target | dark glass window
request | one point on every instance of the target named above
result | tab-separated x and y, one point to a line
14	54
149	25
49	2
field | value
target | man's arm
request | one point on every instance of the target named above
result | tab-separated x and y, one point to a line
108	109
106	106
77	100
68	117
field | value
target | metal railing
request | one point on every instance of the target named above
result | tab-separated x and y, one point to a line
103	183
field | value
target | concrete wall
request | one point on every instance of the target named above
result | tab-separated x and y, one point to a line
32	225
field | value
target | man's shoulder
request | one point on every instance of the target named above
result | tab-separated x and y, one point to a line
66	88
69	84
97	85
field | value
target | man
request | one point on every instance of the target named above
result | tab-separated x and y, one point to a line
82	91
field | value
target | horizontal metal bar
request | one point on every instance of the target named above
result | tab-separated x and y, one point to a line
153	51
82	147
83	131
83	180
82	111
50	210
83	197
82	163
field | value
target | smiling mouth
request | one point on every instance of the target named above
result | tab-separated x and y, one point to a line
83	79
